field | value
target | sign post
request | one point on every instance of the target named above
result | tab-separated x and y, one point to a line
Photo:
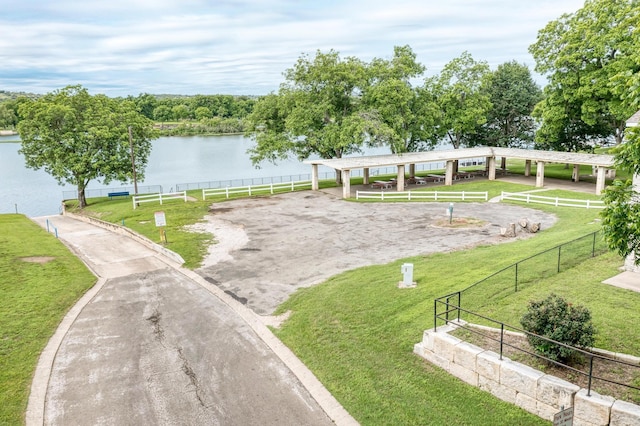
161	222
564	417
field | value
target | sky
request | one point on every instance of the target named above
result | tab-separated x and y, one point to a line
242	47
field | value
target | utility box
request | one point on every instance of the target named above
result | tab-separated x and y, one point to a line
407	276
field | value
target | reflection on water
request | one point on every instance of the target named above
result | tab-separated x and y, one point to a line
173	161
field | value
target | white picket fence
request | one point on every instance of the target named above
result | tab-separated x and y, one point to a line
554	201
256	189
422	195
152	198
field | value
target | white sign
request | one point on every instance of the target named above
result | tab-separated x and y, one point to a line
564	417
161	220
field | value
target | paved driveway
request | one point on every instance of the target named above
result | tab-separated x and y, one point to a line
152	346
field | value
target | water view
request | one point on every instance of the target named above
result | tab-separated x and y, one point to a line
174	162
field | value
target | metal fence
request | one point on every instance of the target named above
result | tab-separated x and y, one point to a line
104	192
530	270
447	309
465	304
213	184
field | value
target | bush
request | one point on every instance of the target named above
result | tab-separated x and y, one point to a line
558	320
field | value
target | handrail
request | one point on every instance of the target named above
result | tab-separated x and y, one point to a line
443	316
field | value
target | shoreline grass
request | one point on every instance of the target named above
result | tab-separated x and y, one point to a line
34	297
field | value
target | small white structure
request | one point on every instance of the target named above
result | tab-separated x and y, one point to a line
407	276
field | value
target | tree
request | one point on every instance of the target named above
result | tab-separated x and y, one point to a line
162	113
202	113
407	112
621	215
180	112
317	111
8	117
76	137
513	95
585	56
462	100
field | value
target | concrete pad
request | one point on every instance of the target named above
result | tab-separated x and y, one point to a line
627	279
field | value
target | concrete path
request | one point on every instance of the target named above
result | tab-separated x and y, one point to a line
153	343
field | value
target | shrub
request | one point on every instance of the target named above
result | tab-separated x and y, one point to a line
558	320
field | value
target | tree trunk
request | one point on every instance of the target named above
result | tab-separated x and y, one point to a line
82	200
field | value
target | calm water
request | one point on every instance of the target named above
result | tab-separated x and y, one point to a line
173	161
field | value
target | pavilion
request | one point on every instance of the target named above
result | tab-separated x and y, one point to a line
600	162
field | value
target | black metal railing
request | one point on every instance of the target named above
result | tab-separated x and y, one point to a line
586	369
515	277
530	270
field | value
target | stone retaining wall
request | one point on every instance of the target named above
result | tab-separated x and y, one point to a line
526	387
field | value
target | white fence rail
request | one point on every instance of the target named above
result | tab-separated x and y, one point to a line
422	195
255	189
152	198
553	201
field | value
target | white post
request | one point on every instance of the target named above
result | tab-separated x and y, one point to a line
540	174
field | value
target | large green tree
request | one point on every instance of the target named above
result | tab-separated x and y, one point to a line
317	111
621	215
77	137
408	112
513	94
588	56
463	102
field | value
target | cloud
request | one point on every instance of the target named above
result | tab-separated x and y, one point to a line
244	46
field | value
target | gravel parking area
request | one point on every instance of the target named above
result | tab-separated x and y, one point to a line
269	247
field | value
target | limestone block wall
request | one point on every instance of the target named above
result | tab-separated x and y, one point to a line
526	387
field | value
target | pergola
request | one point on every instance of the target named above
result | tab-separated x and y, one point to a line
345	165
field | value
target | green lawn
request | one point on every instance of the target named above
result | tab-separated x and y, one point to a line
34	297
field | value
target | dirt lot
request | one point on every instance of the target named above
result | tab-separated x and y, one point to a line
268	247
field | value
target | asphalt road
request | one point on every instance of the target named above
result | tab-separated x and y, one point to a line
154	346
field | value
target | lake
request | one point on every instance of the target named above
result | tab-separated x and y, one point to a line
174	162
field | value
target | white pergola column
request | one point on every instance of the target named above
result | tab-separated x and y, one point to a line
600	180
527	168
575	175
365	176
491	164
448	177
540	175
314	177
400	178
346	184
412	170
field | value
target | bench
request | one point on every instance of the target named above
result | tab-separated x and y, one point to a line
118	194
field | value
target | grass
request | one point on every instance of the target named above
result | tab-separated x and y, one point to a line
34	297
357	330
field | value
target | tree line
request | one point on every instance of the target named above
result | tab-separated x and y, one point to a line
175	114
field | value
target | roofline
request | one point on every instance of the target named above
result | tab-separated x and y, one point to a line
349	163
